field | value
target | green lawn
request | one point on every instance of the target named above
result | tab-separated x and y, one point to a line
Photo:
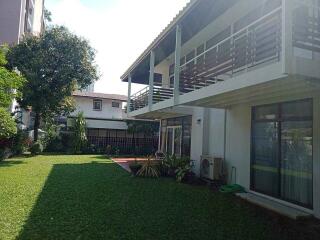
90	197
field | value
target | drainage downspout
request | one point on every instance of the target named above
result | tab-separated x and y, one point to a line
225	142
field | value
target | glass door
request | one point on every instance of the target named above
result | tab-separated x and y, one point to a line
174	140
282	159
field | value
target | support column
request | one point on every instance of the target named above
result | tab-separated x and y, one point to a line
287	35
151	79
177	56
129	94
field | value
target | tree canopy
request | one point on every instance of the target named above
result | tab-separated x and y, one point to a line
55	64
10	84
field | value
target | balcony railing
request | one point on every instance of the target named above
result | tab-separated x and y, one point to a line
256	44
306	27
141	99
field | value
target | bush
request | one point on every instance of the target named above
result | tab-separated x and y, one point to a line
2	154
55	145
182	172
20	142
36	148
8	127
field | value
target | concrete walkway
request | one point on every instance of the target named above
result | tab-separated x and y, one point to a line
124	162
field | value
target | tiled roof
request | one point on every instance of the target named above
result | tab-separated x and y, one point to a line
101	95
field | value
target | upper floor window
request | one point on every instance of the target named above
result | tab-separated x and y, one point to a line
97	105
116	104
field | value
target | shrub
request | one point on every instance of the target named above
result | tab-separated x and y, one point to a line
36	148
80	137
55	145
149	169
8	127
182	172
2	154
108	149
172	163
20	142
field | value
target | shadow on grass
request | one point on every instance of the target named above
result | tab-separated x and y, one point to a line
73	203
9	163
99	200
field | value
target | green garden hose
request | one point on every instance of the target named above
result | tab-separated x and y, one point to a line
232	188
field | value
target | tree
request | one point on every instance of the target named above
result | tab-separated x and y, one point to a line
55	64
80	137
10	84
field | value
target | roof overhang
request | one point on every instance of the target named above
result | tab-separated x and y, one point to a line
195	16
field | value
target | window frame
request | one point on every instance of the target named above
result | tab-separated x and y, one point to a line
118	106
93	104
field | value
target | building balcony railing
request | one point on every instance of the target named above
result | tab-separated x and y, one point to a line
256	44
141	99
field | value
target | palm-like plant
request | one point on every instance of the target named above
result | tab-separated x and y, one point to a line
149	169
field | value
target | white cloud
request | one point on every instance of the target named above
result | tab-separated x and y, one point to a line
119	32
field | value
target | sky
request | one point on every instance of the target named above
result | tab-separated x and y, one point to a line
119	30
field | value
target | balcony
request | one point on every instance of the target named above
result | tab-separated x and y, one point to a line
141	99
267	42
257	44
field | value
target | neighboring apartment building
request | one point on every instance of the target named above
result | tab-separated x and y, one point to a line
17	19
240	80
20	17
107	122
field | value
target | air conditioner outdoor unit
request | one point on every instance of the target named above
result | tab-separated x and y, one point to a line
210	167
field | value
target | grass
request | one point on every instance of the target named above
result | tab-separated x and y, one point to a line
89	197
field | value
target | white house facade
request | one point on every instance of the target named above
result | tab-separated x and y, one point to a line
107	123
240	80
101	110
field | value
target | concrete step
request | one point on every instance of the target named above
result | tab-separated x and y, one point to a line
274	206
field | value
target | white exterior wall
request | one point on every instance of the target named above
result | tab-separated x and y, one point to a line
85	105
207	134
238	142
102	124
37	17
208	138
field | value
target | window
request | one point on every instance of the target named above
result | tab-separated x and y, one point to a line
97	105
116	104
281	157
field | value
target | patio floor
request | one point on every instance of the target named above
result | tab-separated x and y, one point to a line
124	162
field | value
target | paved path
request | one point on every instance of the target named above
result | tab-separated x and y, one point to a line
124	162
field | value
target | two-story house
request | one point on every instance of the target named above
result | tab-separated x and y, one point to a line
240	80
107	123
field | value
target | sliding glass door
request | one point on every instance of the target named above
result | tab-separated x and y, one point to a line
281	163
176	136
174	140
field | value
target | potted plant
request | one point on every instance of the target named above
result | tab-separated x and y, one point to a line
135	166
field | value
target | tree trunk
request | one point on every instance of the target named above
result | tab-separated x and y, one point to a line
36	127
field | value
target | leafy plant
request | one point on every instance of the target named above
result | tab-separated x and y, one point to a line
36	148
8	126
80	137
182	172
108	149
172	163
20	142
149	169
